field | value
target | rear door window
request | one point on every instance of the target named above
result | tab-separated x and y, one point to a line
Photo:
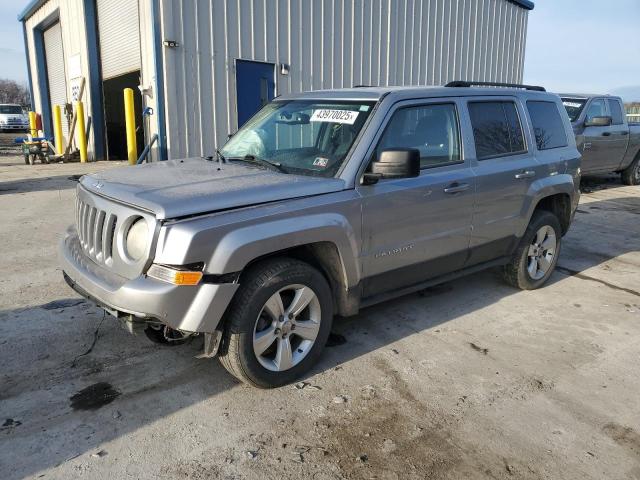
547	125
497	130
616	112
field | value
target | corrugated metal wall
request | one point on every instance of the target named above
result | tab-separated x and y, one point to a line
327	44
74	41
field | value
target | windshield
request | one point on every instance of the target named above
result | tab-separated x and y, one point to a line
11	109
307	137
573	106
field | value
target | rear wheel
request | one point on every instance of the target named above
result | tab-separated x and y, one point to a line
537	254
278	323
631	174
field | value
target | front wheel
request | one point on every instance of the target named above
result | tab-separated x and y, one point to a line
278	323
537	254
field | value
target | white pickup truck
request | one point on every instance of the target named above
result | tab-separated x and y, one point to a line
13	118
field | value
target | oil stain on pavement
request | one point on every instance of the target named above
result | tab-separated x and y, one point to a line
94	396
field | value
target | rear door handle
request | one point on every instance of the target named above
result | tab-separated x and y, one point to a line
457	187
606	134
525	174
624	133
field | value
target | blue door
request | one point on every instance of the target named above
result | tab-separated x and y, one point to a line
255	86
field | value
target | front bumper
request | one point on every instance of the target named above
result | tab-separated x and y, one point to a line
22	128
190	308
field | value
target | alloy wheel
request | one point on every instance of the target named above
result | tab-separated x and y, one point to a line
287	327
541	252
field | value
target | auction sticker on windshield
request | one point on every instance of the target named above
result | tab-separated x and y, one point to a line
334	116
572	104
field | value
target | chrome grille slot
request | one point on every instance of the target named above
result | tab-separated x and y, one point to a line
97	234
96	230
107	238
91	227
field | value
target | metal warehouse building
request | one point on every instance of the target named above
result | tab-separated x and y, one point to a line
204	66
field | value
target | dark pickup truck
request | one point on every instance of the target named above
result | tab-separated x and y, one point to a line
608	143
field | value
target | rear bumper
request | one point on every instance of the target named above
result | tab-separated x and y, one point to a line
190	308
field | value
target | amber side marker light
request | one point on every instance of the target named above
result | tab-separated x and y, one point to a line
175	276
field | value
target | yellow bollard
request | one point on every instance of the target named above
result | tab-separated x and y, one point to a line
32	124
57	129
82	134
130	121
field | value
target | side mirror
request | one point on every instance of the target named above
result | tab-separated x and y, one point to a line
604	121
398	163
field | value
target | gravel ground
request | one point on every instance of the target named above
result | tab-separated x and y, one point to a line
470	379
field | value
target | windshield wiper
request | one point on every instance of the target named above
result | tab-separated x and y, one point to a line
261	161
221	157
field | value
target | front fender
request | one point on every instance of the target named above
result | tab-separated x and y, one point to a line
546	187
240	246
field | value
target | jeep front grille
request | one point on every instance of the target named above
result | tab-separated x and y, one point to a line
96	230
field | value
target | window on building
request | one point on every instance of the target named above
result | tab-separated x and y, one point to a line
547	125
596	109
496	129
617	117
431	129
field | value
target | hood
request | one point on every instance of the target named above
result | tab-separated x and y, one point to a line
178	188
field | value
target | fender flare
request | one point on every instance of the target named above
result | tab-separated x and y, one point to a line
542	188
241	246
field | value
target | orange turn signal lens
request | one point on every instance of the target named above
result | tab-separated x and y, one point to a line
172	275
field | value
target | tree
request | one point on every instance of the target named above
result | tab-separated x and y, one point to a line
13	92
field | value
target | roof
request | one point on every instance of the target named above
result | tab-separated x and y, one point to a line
523	3
376	93
34	5
30	9
584	96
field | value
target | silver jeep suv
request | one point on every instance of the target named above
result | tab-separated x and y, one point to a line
325	202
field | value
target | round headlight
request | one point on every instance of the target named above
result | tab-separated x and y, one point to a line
137	239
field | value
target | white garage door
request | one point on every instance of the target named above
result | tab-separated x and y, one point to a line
55	71
119	32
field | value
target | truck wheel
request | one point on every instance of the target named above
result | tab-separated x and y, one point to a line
277	324
537	254
631	174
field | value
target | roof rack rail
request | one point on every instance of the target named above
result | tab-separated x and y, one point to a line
464	83
363	86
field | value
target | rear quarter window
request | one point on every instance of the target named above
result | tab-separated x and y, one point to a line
497	130
547	124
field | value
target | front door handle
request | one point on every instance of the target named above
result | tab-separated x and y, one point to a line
606	134
624	133
525	174
457	187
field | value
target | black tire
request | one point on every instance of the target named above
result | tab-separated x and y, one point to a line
258	285
516	272
631	174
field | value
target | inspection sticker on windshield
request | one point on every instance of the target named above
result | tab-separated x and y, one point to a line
321	162
334	116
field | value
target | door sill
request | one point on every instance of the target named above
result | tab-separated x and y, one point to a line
383	297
